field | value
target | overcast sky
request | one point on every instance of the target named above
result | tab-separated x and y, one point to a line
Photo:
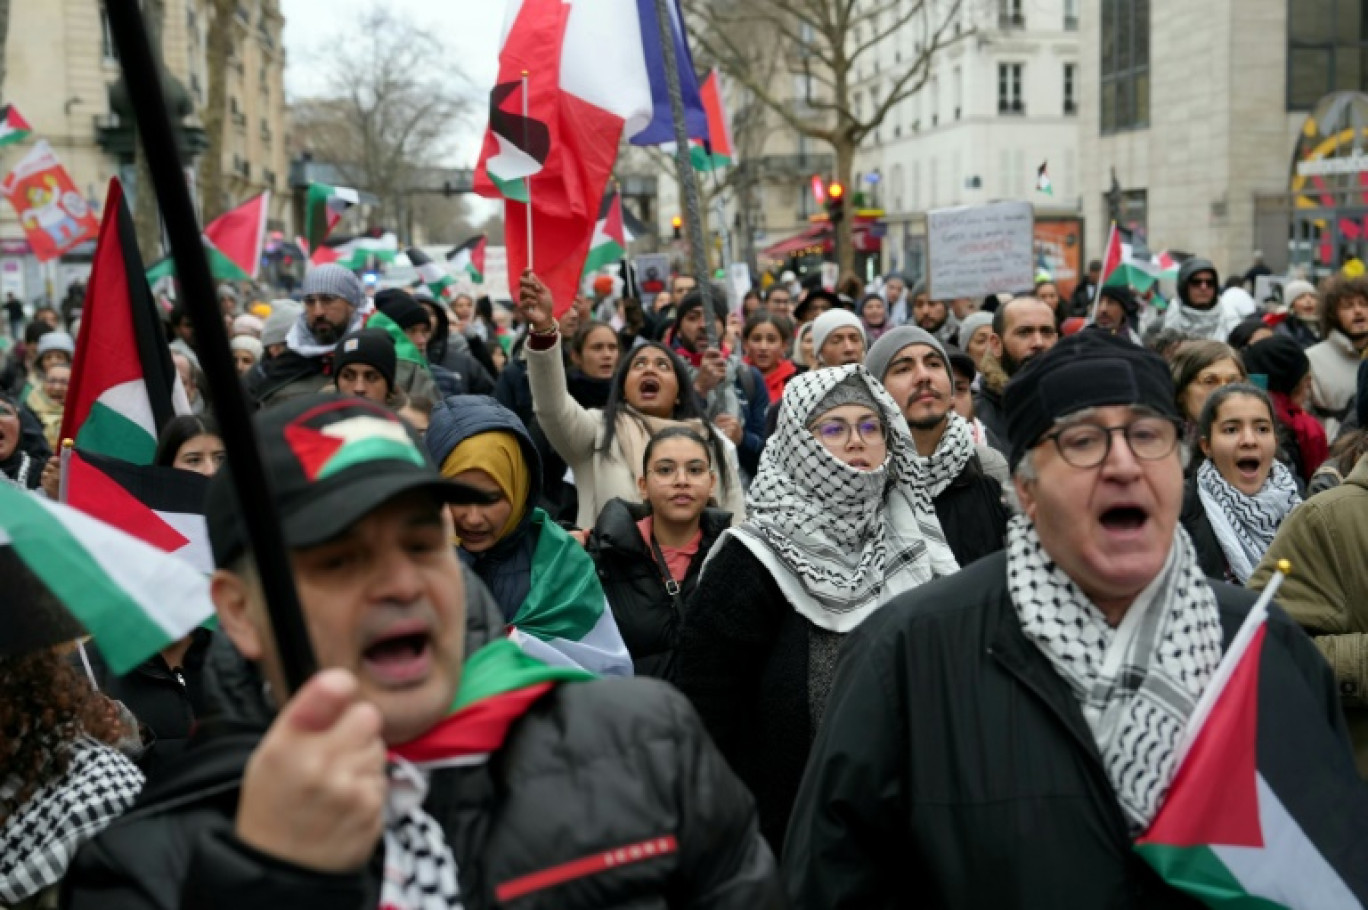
469	27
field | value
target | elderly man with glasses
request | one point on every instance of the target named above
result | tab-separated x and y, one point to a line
999	737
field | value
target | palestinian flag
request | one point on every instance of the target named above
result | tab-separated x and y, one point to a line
610	235
470	257
323	208
132	597
1043	184
565	619
1266	809
589	85
523	142
124	387
220	266
404	348
498	684
1167	265
160	506
239	235
715	151
13	128
439	281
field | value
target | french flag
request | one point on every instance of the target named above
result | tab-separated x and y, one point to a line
661	128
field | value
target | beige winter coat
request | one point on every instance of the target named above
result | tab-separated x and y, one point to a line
575	432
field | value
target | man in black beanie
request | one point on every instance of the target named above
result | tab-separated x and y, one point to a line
409	326
364	364
1007	711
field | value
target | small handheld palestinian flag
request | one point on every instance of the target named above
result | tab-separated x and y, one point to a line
160	506
524	143
610	235
438	280
1043	184
13	128
1266	809
716	152
124	387
470	257
133	598
323	208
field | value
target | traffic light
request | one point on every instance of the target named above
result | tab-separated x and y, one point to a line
678	224
835	201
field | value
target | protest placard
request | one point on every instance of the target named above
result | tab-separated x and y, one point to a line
980	250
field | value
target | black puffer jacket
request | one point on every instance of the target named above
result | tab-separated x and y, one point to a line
955	769
592	767
972	514
646	614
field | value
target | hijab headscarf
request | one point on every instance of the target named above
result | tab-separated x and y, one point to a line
498	455
841	541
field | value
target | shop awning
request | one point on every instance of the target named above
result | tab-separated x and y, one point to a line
814	236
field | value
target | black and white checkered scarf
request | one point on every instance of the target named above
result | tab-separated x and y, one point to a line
941	467
420	869
1137	683
845	540
1246	525
40	839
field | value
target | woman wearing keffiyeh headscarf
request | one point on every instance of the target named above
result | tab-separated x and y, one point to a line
836	525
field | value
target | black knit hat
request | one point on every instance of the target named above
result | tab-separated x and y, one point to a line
1279	358
400	306
1087	370
694	300
373	347
1122	295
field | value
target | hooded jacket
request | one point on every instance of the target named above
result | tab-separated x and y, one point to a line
452	353
1211	324
591	768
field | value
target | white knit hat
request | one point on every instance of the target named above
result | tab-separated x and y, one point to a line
829	322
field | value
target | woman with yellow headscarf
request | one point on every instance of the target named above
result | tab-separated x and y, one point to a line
544	582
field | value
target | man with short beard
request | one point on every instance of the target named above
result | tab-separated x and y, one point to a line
1335	360
1023	328
332	295
935	317
964	480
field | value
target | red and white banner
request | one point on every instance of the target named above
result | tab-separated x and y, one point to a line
54	216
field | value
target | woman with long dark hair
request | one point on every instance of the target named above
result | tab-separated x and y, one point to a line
651	391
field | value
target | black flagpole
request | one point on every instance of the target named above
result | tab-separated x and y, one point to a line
142	78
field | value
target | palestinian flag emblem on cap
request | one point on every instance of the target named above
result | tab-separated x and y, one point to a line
325	448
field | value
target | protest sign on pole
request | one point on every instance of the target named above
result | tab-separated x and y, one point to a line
54	216
978	250
653	276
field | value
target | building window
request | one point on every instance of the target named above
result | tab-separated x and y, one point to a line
1070	15
1327	49
1125	64
1009	89
107	37
1010	15
1070	89
959	90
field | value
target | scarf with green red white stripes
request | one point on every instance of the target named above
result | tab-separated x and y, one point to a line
499	684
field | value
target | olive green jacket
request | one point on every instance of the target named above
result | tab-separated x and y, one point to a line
1326	541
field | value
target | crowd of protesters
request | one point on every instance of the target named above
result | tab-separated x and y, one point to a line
918	593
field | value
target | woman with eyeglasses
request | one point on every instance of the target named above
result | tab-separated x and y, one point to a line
1240	493
838	523
651	391
1200	368
649	554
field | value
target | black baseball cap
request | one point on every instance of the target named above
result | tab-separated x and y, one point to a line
332	461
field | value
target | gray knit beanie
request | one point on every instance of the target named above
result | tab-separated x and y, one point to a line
882	352
851	390
334	280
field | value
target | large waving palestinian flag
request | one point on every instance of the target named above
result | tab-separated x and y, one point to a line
610	235
133	598
470	258
240	233
1266	809
588	84
220	266
124	387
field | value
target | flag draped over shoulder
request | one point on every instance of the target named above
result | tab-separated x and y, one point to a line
124	387
133	598
1263	814
587	100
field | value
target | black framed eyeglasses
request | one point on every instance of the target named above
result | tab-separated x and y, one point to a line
1087	445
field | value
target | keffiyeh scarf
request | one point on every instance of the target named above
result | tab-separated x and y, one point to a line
1246	525
1137	683
1213	324
301	338
956	447
40	839
843	540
